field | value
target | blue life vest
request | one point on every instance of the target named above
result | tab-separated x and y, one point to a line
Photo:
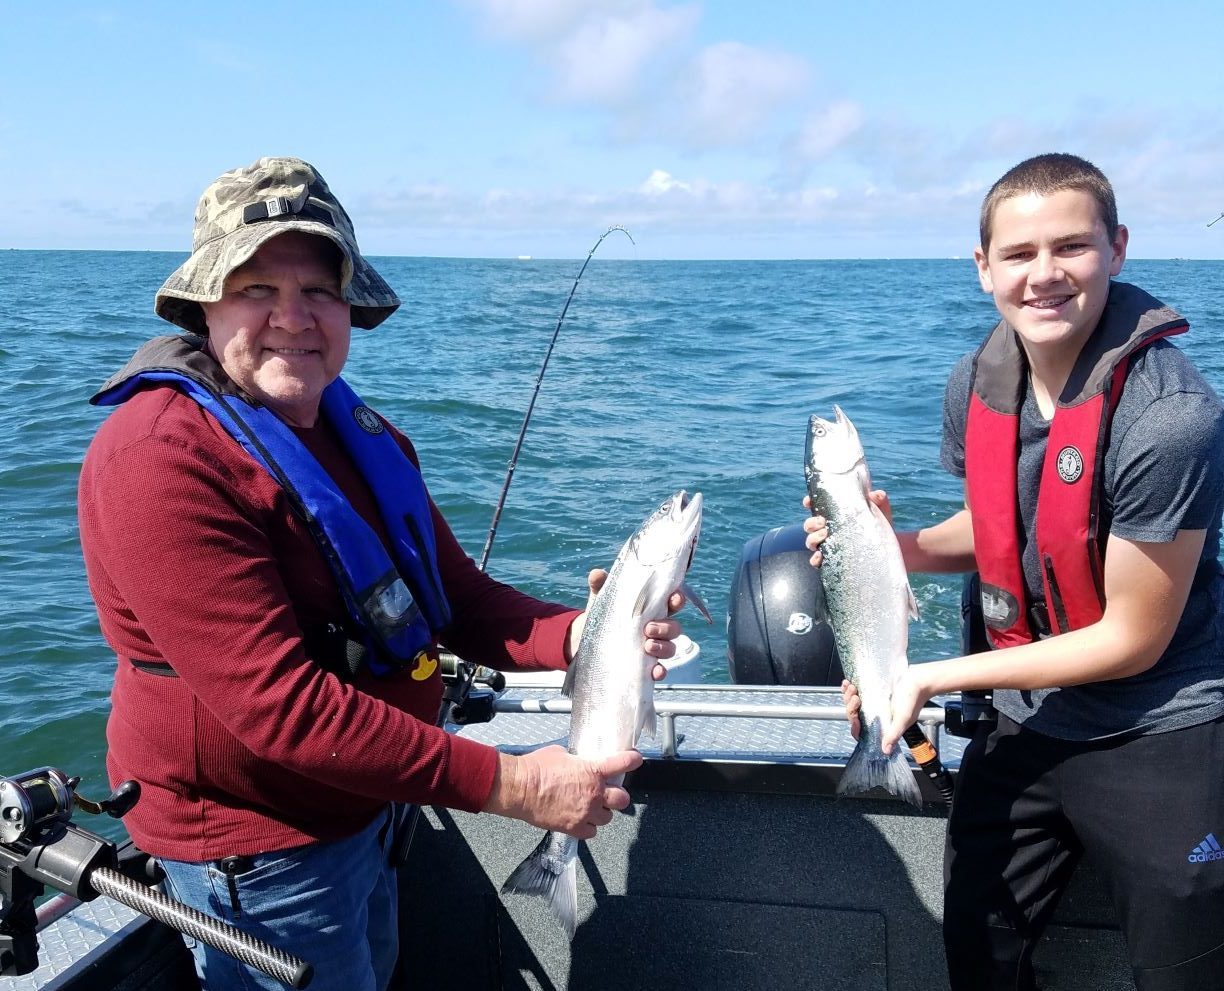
396	600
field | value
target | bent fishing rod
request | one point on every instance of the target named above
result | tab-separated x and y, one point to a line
468	672
454	698
518	445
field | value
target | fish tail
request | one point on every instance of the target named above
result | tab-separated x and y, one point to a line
869	767
551	871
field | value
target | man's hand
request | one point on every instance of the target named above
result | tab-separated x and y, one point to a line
553	789
660	635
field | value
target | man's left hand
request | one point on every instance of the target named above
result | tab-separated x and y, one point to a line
660	634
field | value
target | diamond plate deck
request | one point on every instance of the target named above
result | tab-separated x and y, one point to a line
71	943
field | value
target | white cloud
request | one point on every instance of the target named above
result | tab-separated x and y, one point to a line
605	59
543	21
638	61
828	129
735	89
660	182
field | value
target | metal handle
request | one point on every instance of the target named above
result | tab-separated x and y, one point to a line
252	951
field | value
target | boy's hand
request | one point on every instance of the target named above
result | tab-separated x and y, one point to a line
852	702
817	527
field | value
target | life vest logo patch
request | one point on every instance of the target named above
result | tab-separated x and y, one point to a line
367	420
1070	465
1000	609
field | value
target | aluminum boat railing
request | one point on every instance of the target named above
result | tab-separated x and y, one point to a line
667	710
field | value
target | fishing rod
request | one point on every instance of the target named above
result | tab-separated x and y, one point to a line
468	672
453	699
1217	220
501	499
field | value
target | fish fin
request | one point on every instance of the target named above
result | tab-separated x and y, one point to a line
913	603
551	871
869	767
647	595
567	687
646	711
690	593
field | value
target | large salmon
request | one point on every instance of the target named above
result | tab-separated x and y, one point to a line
609	682
868	596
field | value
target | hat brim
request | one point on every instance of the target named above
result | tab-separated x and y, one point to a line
201	278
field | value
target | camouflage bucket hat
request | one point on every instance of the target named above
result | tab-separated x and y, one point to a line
247	207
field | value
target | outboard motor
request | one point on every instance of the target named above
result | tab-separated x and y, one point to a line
777	624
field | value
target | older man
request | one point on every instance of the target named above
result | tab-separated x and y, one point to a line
275	580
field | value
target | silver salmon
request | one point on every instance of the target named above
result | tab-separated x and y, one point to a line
868	595
609	683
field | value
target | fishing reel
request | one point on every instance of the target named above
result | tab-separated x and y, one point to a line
36	804
40	846
463	703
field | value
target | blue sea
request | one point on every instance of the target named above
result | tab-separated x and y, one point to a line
665	375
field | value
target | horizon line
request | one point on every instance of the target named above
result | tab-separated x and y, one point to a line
524	259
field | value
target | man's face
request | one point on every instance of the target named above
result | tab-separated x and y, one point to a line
281	330
1048	268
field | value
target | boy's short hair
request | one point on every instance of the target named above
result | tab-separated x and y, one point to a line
1045	175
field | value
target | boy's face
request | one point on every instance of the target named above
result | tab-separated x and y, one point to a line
1048	267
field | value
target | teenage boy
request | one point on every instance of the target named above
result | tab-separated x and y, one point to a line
1093	457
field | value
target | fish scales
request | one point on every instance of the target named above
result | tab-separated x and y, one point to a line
613	698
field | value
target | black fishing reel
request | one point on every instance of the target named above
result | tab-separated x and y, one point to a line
36	804
462	702
40	846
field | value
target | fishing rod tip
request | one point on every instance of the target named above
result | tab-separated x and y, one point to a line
624	230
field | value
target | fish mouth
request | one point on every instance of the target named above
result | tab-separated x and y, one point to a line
686	513
690	521
689	506
679	519
818	426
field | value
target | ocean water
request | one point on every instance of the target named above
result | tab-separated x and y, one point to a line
698	375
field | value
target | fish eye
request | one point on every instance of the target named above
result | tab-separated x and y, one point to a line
818	430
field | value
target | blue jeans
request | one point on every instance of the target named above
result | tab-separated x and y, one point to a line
331	904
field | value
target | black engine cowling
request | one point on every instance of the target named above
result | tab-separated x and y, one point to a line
777	624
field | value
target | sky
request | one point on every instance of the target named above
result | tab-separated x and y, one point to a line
722	129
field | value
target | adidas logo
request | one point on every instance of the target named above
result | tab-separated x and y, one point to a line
1209	849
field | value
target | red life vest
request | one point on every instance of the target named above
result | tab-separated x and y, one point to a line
1070	545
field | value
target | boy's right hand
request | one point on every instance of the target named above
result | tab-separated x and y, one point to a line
852	702
817	527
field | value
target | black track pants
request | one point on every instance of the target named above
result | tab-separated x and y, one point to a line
1147	812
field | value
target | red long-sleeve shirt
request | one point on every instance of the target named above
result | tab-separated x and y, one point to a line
195	560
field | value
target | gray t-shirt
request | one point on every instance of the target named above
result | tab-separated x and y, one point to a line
1163	472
